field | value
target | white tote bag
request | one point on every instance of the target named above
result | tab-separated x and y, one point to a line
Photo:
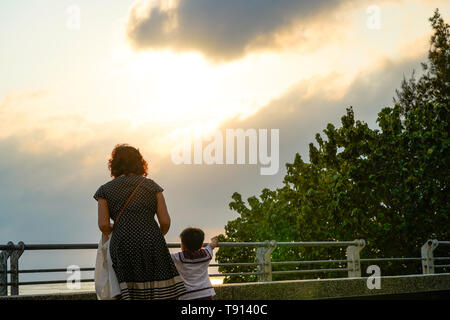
106	283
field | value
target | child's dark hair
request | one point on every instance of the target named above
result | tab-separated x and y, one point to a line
192	238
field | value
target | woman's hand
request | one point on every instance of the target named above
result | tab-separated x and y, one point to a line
106	236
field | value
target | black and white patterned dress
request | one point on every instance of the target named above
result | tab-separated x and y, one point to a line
139	252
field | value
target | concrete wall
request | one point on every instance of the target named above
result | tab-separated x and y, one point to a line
334	288
304	289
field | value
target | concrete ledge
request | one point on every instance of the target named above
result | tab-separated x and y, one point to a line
333	288
301	289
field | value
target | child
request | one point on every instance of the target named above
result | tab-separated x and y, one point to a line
192	264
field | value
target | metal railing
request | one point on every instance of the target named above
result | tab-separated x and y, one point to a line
263	261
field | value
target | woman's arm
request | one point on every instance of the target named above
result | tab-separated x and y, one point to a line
162	214
104	223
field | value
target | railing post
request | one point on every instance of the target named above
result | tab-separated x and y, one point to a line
264	257
354	263
427	256
14	263
4	255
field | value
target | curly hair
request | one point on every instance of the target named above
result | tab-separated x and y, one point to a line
126	159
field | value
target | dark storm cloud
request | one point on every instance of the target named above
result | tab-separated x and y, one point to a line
221	30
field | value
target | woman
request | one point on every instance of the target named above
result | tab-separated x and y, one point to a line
139	253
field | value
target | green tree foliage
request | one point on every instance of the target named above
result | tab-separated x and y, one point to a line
388	186
433	86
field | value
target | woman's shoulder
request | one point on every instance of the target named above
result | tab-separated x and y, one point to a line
126	182
111	183
132	181
101	192
105	188
152	185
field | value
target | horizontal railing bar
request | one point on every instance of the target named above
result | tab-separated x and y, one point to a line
250	264
231	264
58	246
310	271
399	259
213	275
177	245
390	259
235	274
93	269
82	246
48	282
441	265
92	280
73	246
309	262
82	280
243	264
50	270
319	243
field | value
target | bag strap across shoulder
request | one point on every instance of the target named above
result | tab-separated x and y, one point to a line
128	201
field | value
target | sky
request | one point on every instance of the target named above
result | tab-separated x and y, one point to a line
78	77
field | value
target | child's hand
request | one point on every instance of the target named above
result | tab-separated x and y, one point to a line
214	242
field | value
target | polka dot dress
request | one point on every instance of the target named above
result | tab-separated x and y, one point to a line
139	252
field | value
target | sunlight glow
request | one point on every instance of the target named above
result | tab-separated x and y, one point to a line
216	281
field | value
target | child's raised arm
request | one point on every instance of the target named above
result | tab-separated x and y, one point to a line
214	242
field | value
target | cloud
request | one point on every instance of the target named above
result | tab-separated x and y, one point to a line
308	106
221	30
